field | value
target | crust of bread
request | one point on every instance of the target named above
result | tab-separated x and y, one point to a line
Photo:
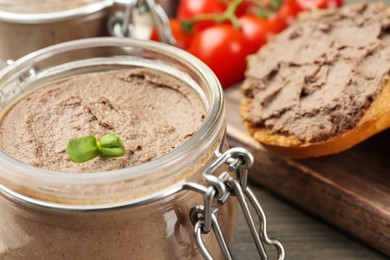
375	119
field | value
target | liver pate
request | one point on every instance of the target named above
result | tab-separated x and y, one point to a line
153	113
318	77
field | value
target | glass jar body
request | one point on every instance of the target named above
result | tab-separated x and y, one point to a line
141	212
158	230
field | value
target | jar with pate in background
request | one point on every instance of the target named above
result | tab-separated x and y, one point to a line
54	209
29	25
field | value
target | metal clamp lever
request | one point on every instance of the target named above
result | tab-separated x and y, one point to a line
197	220
204	217
123	24
263	237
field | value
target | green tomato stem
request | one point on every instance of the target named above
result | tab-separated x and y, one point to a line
230	14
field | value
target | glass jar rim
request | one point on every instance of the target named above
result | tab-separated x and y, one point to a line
209	128
40	18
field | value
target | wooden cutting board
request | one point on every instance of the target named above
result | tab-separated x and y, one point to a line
350	190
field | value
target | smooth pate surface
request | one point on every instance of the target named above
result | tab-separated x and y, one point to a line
153	113
318	77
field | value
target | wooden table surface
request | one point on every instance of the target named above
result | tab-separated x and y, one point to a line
302	235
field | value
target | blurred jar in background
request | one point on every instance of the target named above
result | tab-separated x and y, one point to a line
29	25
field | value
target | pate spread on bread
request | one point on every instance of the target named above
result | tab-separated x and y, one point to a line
320	86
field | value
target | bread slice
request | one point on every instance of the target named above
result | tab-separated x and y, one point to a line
375	119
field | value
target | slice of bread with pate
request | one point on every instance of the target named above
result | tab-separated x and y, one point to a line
321	86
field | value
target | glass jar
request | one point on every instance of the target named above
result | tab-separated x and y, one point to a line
29	25
141	212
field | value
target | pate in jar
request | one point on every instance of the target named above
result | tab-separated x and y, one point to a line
168	109
28	25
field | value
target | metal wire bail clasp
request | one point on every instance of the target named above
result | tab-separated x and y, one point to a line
123	24
204	217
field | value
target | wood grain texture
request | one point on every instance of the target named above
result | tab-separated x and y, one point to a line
304	237
349	190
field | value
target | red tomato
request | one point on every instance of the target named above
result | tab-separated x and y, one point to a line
287	13
306	5
277	25
182	39
257	30
189	9
222	48
244	7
